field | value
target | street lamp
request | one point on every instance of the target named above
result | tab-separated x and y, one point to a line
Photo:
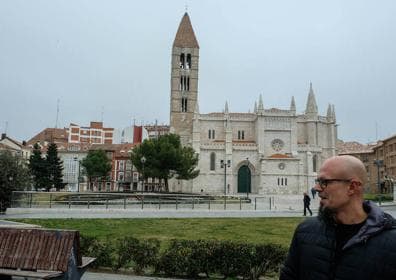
224	165
378	163
143	161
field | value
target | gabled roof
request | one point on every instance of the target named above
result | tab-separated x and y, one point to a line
56	135
353	147
15	142
185	37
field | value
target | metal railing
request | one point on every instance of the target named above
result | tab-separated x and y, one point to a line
137	200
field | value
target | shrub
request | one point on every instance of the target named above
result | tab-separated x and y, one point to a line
122	249
102	251
187	258
145	254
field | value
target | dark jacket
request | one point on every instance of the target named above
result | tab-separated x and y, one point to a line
370	254
307	200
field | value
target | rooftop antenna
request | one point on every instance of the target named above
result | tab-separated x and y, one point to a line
186	7
57	113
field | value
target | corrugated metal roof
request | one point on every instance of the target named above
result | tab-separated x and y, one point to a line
38	249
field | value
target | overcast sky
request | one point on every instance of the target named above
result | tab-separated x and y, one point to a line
110	60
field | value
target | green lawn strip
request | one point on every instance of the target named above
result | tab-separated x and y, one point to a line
251	230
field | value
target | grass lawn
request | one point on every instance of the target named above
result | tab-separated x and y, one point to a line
251	230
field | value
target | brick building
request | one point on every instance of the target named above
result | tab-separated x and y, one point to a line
379	159
93	134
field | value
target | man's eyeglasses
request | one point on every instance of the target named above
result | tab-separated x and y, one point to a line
324	182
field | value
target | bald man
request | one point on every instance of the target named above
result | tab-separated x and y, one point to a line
351	238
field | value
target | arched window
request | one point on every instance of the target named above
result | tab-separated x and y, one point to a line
181	63
188	64
314	162
184	104
212	161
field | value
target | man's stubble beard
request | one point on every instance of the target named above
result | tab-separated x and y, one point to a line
327	215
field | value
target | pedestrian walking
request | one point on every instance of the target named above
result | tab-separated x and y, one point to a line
351	238
313	192
307	202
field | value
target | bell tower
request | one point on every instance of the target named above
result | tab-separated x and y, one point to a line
184	81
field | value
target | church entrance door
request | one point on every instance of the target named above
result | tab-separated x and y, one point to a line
244	179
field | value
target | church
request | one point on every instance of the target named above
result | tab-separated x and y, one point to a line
267	151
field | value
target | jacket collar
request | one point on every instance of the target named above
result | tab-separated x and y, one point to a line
377	221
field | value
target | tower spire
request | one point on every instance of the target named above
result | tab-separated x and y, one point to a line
185	36
293	105
312	108
260	106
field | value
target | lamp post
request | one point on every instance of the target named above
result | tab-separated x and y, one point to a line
378	163
224	164
143	161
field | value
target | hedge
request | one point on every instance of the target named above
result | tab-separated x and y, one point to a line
186	258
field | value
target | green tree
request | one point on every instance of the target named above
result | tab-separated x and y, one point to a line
38	169
14	176
165	158
97	165
188	162
54	168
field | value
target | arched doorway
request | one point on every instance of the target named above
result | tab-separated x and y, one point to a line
244	179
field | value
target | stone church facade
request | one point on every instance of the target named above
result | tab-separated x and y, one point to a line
268	151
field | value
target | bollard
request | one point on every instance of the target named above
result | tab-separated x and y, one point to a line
255	203
225	202
192	203
159	202
50	200
107	203
270	203
208	204
88	203
142	202
69	202
240	204
176	201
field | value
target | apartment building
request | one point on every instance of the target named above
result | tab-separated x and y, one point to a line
95	133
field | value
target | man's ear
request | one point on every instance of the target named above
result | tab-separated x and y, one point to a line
354	187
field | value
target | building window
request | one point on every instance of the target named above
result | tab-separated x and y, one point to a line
184	83
181	63
184	104
314	163
121	176
121	165
282	181
212	161
188	64
211	134
241	134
